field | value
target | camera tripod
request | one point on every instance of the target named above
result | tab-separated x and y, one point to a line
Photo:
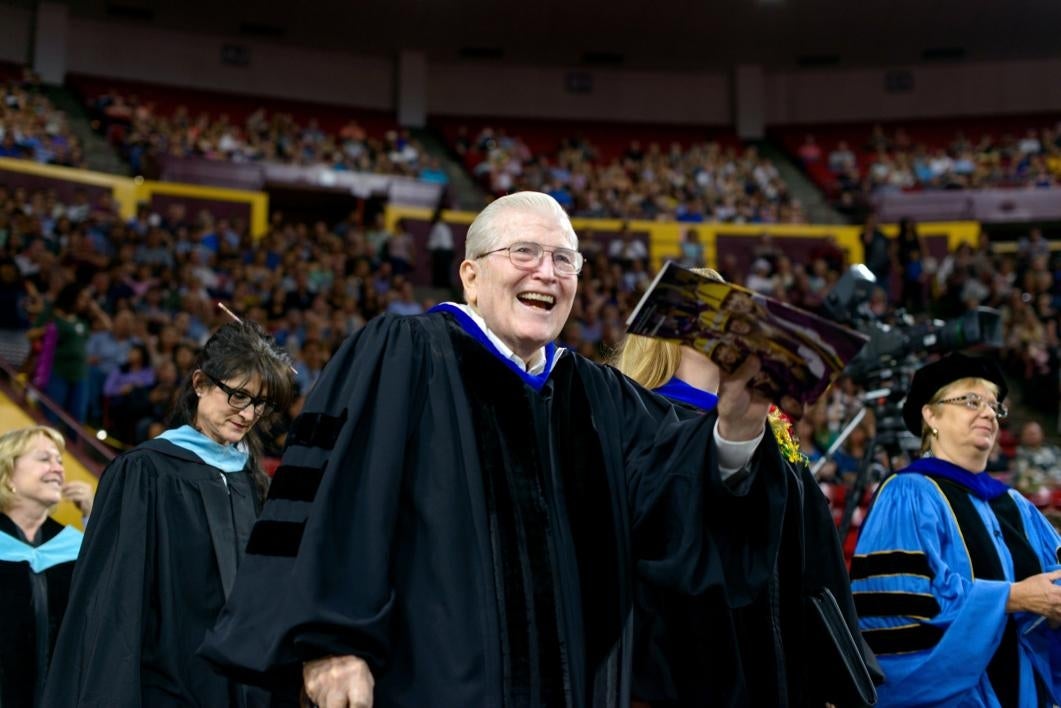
890	437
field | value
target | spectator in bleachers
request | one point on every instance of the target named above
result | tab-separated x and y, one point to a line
161	401
107	349
402	301
432	171
810	152
308	366
8	148
1037	463
877	252
692	250
440	246
32	259
64	327
126	392
1032	245
761	278
626	247
377	236
911	254
399	250
841	159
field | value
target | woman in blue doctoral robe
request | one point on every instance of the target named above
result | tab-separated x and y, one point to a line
953	573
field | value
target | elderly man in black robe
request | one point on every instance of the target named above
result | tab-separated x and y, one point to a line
462	505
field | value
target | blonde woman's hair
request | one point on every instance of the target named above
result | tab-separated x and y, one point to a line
926	431
650	361
13	445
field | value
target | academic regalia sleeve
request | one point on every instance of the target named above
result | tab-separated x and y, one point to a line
824	567
315	578
933	628
97	656
692	533
1041	534
1041	642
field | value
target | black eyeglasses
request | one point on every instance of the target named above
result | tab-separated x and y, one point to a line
976	402
527	255
240	399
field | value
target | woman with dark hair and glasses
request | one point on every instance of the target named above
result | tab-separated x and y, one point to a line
170	523
954	573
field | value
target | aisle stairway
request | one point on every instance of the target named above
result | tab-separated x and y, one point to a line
99	154
464	193
814	203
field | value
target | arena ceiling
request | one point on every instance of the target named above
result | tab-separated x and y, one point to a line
678	34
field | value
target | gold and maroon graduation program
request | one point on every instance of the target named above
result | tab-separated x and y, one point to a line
800	353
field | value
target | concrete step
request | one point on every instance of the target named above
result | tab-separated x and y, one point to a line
99	154
817	209
464	192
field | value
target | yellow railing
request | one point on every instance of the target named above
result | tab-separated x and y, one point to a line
130	191
665	236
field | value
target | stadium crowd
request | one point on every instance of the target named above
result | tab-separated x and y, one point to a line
31	127
145	133
707	181
155	281
891	160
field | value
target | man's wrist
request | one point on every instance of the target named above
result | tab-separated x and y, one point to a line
740	432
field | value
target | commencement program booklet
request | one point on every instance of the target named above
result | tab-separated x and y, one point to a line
800	353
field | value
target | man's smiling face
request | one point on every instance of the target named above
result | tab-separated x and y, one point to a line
526	309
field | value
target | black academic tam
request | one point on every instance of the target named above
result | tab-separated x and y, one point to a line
472	536
158	559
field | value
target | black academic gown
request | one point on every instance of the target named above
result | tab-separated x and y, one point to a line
693	652
469	536
155	567
24	651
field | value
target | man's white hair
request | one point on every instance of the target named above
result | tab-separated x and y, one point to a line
487	232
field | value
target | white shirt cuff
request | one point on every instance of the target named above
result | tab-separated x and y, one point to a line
733	456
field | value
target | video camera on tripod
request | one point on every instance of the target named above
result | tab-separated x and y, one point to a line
885	367
891	344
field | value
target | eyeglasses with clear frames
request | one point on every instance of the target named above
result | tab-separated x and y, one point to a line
240	399
976	402
527	255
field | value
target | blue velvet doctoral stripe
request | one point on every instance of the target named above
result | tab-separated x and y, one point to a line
535	381
678	390
980	484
